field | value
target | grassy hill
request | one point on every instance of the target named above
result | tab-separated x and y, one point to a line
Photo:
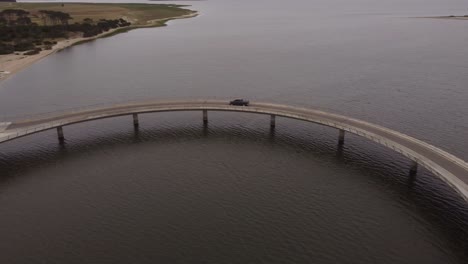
137	14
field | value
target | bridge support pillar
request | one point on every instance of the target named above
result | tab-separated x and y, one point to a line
136	122
341	137
414	168
273	121
205	117
60	134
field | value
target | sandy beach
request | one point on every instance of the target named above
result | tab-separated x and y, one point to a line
11	64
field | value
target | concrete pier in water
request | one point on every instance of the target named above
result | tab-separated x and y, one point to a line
136	122
272	121
205	117
60	135
341	137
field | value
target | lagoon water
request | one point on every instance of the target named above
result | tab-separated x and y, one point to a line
236	192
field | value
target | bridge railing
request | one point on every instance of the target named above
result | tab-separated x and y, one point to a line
68	110
29	130
382	141
90	107
33	129
13	118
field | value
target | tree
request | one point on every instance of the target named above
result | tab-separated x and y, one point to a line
24	21
88	21
63	17
44	15
55	17
12	15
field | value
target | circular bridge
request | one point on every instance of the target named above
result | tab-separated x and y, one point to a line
450	169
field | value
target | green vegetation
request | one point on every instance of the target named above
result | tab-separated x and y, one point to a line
19	33
137	14
35	26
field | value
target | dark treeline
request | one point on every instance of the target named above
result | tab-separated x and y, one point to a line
54	17
19	33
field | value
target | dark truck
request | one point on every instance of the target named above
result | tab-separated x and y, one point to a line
240	102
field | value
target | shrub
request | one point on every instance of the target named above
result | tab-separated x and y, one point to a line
92	32
6	49
24	46
33	52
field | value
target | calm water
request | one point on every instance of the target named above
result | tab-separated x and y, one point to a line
236	192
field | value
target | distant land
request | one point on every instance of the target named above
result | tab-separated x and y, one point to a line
9	1
462	17
465	17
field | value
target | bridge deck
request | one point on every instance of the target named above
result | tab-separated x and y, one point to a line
449	168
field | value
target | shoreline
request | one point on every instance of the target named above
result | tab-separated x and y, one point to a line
11	64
